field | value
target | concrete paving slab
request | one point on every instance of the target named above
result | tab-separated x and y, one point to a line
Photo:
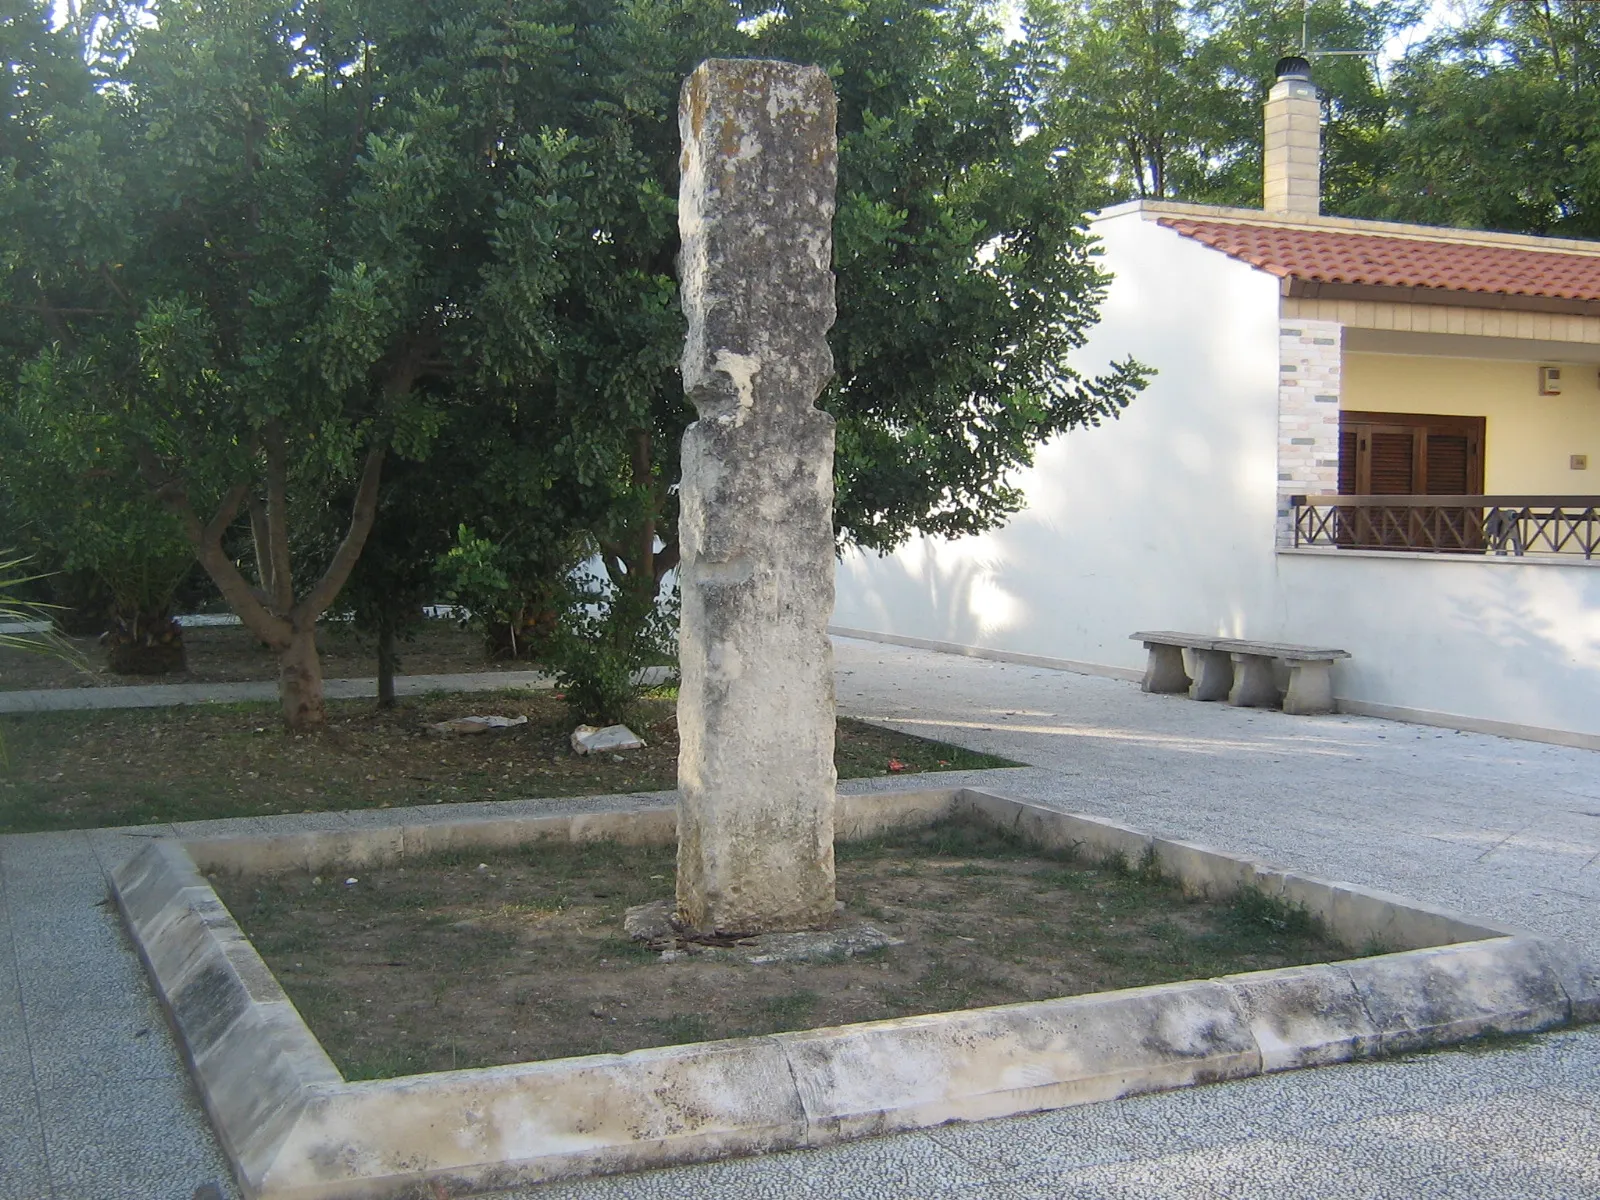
905	1166
112	847
53	941
766	1178
224	827
908	1167
27	856
26	1174
1267	1167
118	1140
1550	1139
89	1039
1171	1123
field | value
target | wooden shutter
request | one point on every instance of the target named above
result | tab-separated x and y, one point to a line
1448	459
1392	469
1410	454
1347	460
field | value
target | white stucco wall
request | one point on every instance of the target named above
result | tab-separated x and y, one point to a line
1514	643
1165	519
1161	519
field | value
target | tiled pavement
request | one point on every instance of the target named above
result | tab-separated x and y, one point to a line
94	1102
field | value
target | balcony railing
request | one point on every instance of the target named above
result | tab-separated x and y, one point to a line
1500	525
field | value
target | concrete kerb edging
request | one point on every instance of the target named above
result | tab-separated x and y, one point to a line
294	1129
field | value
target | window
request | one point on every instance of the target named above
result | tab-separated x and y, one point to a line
1410	454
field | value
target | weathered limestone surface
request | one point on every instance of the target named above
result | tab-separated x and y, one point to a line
756	706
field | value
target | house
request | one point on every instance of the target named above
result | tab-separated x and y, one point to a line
1301	357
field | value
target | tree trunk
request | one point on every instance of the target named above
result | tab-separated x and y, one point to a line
388	659
145	643
300	682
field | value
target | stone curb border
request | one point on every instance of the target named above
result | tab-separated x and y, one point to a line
295	1130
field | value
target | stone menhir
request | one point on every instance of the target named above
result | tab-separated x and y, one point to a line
756	705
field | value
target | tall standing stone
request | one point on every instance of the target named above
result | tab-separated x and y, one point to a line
756	706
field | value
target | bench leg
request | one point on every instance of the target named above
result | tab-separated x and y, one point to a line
1310	688
1252	682
1213	675
1164	672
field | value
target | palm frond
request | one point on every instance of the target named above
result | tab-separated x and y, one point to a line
29	625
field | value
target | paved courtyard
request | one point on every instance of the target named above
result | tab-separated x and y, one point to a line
94	1101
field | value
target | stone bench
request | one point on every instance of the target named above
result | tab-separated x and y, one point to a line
1240	671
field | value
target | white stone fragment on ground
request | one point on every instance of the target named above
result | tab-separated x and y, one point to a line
591	739
464	725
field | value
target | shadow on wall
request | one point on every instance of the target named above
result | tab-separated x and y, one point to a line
1163	518
947	593
1516	643
1536	633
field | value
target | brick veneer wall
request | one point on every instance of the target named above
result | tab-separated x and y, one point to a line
1308	413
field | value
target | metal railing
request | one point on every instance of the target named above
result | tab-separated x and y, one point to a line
1498	525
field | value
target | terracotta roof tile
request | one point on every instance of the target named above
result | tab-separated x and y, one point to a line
1329	256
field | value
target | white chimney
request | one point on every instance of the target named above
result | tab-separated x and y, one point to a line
1293	148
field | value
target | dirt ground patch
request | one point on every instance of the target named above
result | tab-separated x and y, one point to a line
480	959
77	770
230	654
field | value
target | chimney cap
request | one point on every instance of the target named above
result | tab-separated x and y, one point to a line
1293	66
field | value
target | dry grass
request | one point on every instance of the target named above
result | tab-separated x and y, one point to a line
478	959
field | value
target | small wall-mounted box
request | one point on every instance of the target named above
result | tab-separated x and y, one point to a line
1549	381
1579	462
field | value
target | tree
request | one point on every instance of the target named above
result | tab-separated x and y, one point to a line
205	280
482	523
63	471
275	225
54	495
1168	93
965	279
1125	83
1497	123
296	238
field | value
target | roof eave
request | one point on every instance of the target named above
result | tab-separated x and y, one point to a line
1157	209
1311	289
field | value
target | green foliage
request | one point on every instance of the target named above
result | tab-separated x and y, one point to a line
505	594
66	473
1497	123
472	576
267	241
1162	98
965	278
605	640
17	609
1490	122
